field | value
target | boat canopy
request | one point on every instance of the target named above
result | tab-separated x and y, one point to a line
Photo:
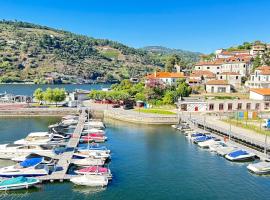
38	134
31	162
238	153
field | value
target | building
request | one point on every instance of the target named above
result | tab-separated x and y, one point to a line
202	75
257	49
212	66
260	78
221	53
239	64
168	78
260	94
218	86
233	78
226	105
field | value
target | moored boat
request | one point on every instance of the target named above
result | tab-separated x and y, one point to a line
89	161
260	168
90	180
35	138
95	170
240	155
18	183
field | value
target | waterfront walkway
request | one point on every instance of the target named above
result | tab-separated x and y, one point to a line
66	157
247	137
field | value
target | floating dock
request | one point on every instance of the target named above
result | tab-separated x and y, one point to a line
66	157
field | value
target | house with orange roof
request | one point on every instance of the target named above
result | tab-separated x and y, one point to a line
240	64
212	66
260	94
201	76
168	78
218	86
233	78
260	78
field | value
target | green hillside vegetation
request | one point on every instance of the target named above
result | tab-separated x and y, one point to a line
30	52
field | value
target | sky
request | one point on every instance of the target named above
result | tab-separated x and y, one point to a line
195	25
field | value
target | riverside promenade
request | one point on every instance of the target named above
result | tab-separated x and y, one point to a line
240	135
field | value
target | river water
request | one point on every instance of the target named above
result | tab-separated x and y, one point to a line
148	162
28	89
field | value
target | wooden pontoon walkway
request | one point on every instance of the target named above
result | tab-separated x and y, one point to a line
66	157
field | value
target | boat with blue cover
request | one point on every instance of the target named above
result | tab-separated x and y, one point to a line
18	183
28	168
202	139
240	155
96	147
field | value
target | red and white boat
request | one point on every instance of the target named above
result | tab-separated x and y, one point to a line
93	137
95	170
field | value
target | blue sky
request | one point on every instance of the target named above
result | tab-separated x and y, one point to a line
196	25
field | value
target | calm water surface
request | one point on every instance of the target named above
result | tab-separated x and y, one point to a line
148	162
25	89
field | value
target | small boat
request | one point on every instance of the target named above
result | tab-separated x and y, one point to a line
70	122
202	139
18	183
193	135
35	138
95	170
28	168
240	155
94	124
99	139
90	180
95	147
9	151
46	160
260	168
69	117
93	130
225	149
213	147
89	161
207	143
90	153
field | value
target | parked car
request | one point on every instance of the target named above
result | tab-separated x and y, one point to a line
115	106
128	107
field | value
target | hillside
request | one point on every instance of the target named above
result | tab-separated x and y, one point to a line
30	52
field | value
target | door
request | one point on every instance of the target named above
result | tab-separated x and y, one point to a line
196	108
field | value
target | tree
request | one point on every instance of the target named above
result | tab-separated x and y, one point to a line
59	95
256	62
140	97
169	97
183	90
49	95
39	95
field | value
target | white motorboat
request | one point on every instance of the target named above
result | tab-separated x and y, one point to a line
94	124
89	161
46	160
28	168
90	180
213	147
225	149
18	183
94	154
95	170
240	155
69	117
207	143
70	122
9	151
93	130
260	168
35	138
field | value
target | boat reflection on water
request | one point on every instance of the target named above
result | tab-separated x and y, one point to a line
21	193
87	190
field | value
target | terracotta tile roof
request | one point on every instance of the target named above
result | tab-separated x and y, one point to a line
217	62
199	73
229	73
237	59
217	82
165	75
262	91
264	70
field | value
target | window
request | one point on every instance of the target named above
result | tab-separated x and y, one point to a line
221	106
211	106
220	77
239	106
266	105
222	89
208	67
248	106
257	106
236	77
229	106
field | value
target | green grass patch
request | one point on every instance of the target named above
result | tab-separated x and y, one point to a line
110	53
243	124
155	111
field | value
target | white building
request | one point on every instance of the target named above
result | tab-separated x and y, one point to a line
233	78
260	94
218	86
239	64
202	75
213	66
260	78
258	49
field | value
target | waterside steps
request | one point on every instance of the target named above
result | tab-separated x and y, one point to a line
259	148
66	157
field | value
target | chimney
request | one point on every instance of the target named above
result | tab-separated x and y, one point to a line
155	74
